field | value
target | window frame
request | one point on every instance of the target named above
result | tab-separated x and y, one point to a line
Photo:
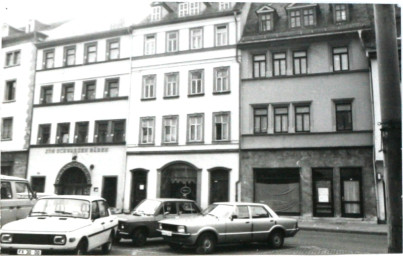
313	15
109	43
10	133
66	55
260	62
108	87
201	93
86	52
291	18
188	132
168	41
146	49
261	130
40	134
340	58
182	11
303	118
347	13
96	131
85	85
154	87
222	113
156	15
286	130
114	130
176	119
216	34
223	6
215	82
10	86
13	58
141	135
350	104
65	87
298	58
76	132
282	59
44	88
45	58
263	22
191	36
59	137
166	83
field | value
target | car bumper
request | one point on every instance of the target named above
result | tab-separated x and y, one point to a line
180	238
43	247
123	234
291	232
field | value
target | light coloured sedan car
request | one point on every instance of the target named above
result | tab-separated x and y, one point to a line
75	224
223	223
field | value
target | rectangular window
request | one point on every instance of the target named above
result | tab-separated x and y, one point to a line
90	54
81	132
340	12
112	88
149	45
302	119
183	9
48	59
295	19
7	128
13	58
63	131
44	134
259	65
147	130
101	132
89	89
112	49
156	13
221	35
221	79
344	120
38	184
309	17
69	55
195	127
281	119
279	64
149	86
46	94
340	59
172	41
194	8
260	120
221	126
196	82
9	94
300	62
196	38
118	131
266	22
67	92
171	85
224	6
170	129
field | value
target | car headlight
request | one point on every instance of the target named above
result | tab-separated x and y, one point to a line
59	239
122	226
6	238
160	226
181	229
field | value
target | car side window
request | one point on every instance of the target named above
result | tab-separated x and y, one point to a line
188	207
6	192
242	212
259	212
103	209
170	207
95	211
22	190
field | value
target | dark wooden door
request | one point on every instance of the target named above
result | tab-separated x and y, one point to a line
323	192
139	188
219	189
109	190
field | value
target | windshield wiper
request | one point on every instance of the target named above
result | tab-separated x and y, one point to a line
138	213
42	213
64	212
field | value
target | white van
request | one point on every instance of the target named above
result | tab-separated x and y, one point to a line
17	198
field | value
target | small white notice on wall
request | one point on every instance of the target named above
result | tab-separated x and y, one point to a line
323	195
141	187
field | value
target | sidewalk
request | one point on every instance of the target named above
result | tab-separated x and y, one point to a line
344	227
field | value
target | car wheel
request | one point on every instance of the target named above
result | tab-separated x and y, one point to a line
276	239
81	248
175	246
205	244
139	237
107	247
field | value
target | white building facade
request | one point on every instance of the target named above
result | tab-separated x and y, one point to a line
184	104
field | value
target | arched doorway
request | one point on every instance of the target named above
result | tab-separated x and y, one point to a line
73	179
180	180
139	187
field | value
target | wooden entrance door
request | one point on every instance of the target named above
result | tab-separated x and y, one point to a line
323	192
351	196
109	190
139	187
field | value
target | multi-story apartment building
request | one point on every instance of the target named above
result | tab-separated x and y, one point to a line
306	120
18	54
184	103
80	110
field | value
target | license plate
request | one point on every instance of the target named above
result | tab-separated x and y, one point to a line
166	233
29	252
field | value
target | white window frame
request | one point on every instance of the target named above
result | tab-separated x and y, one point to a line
222	6
9	135
194	8
147	124
15	58
221	82
196	38
172	43
172	123
195	123
156	13
183	9
150	43
221	35
171	86
149	87
194	83
224	119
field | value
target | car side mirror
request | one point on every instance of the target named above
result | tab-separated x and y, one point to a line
34	195
233	216
166	213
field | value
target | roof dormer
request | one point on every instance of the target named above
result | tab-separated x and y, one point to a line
302	15
225	6
266	15
159	10
191	8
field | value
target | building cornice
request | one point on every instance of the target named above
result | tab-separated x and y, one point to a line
84	64
80	102
175	152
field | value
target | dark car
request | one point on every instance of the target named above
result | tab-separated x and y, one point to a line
143	221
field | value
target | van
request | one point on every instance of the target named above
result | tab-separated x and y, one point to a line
17	198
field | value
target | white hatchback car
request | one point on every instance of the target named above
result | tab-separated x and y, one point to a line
76	224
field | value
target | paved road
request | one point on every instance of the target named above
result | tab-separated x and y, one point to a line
305	242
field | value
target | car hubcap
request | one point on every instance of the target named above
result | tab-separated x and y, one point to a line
207	244
277	240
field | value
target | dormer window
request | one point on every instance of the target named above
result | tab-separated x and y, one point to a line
302	15
188	8
340	13
222	6
183	9
266	18
156	13
194	8
309	17
295	19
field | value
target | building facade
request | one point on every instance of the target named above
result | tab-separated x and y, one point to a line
306	117
184	107
80	110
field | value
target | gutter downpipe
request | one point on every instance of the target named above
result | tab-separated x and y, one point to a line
238	182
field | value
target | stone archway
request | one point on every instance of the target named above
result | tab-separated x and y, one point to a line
74	178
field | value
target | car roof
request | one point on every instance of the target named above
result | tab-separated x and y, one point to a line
240	203
6	177
80	197
170	199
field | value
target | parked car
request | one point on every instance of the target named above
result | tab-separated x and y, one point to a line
143	221
222	223
17	198
62	223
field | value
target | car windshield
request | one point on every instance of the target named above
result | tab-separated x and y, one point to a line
62	207
219	210
147	207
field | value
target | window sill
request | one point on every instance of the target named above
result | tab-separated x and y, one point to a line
147	145
171	97
80	101
9	101
11	66
194	142
196	95
148	99
221	142
221	93
7	139
169	144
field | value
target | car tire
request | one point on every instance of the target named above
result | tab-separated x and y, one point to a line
139	237
107	247
205	244
175	246
276	239
81	248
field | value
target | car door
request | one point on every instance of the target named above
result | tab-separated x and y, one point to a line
8	204
239	226
24	199
262	222
95	234
107	220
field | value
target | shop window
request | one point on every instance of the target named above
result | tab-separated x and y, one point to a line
221	80
302	118
280	119
112	88
340	59
344	120
221	126
67	92
260	120
300	62
170	129
172	41
196	38
44	134
171	85
89	90
46	94
112	49
149	44
147	130
221	35
195	128
149	87
7	128
259	65
38	184
196	83
13	58
90	52
63	131
69	55
81	132
48	58
9	93
279	64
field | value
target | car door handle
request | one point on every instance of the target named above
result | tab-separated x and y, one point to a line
247	222
271	220
18	207
11	207
111	221
102	223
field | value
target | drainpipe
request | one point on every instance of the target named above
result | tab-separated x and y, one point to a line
237	184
